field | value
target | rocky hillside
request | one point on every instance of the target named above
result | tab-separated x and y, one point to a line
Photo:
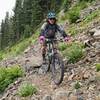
83	72
81	79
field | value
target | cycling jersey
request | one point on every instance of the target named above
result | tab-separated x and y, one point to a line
50	30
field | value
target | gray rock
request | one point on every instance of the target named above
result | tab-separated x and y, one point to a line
97	45
47	97
72	97
27	50
92	87
87	43
79	20
92	31
80	98
97	34
61	95
34	98
86	75
42	70
92	79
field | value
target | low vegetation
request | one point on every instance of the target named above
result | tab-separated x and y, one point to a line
73	52
9	75
72	30
19	47
62	46
27	89
77	85
98	67
74	13
91	16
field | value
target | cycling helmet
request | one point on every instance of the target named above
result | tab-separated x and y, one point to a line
51	15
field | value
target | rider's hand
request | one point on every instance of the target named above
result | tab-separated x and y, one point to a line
41	39
66	39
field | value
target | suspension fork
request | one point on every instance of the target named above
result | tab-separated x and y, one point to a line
51	51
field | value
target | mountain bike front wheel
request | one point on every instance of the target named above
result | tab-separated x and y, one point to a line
57	67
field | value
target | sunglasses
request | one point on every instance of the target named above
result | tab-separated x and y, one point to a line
52	18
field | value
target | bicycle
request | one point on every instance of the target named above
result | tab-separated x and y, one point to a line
54	61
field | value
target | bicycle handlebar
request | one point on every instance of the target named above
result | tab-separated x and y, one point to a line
52	40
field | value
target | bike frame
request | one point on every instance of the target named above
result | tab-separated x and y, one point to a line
50	49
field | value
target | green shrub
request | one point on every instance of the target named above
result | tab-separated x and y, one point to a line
73	15
77	85
74	52
91	16
20	47
8	75
3	73
82	5
98	67
62	46
14	72
27	89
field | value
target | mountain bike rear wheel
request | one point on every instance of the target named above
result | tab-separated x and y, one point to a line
57	67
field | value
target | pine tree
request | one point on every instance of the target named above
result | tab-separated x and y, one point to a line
37	13
1	34
5	31
18	18
27	9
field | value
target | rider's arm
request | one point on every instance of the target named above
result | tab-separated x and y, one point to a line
42	33
63	33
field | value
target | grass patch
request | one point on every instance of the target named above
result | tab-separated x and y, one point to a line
73	52
98	67
77	85
83	4
15	50
72	30
27	89
9	75
19	47
73	15
91	16
62	46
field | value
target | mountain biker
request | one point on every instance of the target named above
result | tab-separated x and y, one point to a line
49	30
